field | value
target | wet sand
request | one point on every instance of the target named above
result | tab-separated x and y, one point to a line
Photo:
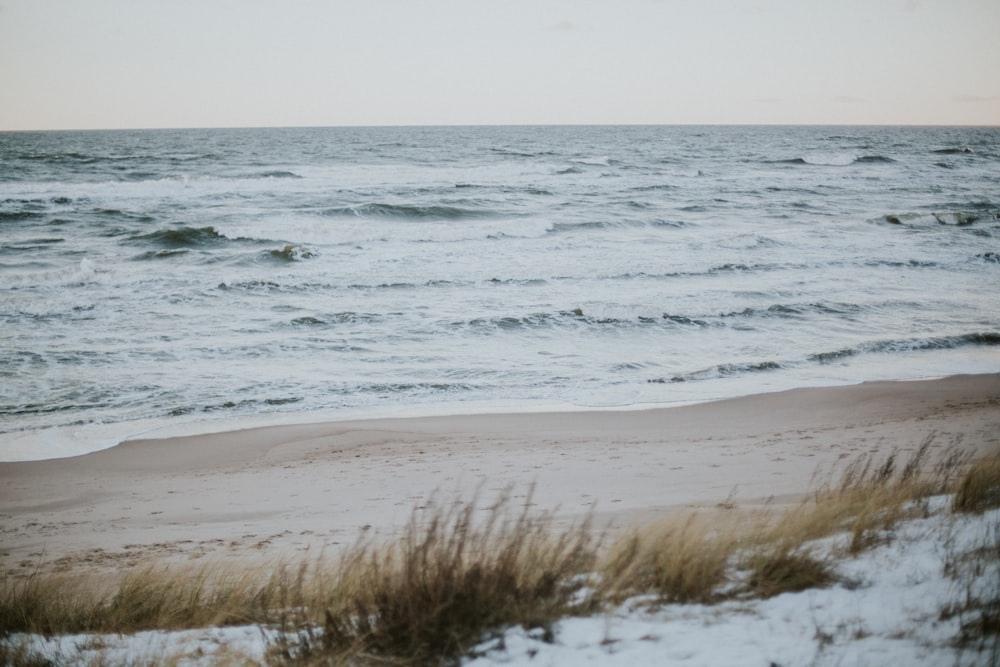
282	492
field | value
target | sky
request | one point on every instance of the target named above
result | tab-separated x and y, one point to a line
102	64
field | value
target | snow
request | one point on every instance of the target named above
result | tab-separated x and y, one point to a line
190	648
887	610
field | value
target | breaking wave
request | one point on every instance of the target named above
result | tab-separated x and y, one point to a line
404	211
989	339
720	371
182	237
835	160
821	358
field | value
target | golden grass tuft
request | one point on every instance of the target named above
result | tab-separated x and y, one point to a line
683	559
786	568
869	496
979	490
451	579
149	597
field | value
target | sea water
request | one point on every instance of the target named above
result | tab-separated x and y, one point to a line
187	276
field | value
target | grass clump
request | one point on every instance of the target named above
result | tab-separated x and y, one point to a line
683	559
146	598
450	580
979	489
786	568
870	496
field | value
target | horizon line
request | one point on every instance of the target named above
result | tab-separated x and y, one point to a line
492	125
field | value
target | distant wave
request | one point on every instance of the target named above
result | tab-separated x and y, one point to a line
277	173
874	347
719	371
404	211
577	317
954	218
333	319
834	160
650	223
873	159
182	236
31	244
518	153
68	156
909	345
797	310
11	216
953	150
161	254
82	273
291	253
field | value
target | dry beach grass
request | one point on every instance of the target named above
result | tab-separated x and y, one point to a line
463	570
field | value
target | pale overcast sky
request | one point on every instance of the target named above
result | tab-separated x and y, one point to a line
214	63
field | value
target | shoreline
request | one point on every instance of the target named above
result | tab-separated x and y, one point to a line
285	491
73	441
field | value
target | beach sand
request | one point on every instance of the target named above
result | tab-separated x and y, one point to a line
284	492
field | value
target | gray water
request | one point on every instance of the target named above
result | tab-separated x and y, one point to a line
191	275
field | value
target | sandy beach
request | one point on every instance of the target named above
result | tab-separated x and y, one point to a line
284	492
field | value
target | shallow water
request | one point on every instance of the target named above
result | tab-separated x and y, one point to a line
185	275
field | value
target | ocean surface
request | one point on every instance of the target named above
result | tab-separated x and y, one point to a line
192	277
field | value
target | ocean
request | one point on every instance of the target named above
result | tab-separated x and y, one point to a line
202	279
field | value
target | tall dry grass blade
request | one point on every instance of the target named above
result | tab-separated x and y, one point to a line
786	568
451	579
683	559
979	490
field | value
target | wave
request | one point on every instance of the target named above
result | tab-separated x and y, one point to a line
899	264
796	310
308	321
83	273
953	150
656	187
249	285
245	404
532	321
31	244
721	371
160	254
873	159
517	153
650	223
613	317
182	237
14	216
330	319
256	285
595	161
403	285
276	174
128	215
404	211
834	160
953	218
988	339
291	253
67	156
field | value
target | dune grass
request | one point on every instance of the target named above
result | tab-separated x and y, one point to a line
461	571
